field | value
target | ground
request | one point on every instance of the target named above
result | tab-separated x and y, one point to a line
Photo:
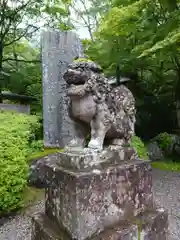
166	188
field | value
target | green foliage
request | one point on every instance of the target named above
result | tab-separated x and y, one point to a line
16	133
163	140
142	37
20	70
138	144
25	78
36	146
89	13
58	14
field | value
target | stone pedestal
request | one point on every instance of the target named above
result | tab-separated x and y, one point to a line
104	198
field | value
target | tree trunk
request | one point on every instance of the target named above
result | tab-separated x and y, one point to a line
177	89
178	113
177	99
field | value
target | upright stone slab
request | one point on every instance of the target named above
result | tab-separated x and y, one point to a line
58	50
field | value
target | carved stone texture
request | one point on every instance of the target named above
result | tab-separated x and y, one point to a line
88	159
86	202
58	50
122	231
110	111
44	229
152	225
36	176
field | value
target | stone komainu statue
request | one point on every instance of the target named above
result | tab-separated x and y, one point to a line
109	110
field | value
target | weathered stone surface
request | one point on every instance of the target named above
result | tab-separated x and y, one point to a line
151	225
174	146
86	202
58	50
76	159
154	151
44	229
122	231
87	158
36	176
110	111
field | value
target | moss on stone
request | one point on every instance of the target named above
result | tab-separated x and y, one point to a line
31	195
83	60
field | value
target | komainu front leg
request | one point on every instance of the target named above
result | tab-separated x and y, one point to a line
99	127
98	132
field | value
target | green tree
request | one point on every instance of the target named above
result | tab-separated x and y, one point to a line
24	72
21	19
142	37
88	13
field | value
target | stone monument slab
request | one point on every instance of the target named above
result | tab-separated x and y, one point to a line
58	49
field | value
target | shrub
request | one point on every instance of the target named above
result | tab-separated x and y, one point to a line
35	146
16	133
163	140
140	147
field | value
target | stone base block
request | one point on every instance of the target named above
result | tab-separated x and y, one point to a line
77	158
86	202
44	229
152	225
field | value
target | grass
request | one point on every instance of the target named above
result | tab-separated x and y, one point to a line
31	195
167	165
44	153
